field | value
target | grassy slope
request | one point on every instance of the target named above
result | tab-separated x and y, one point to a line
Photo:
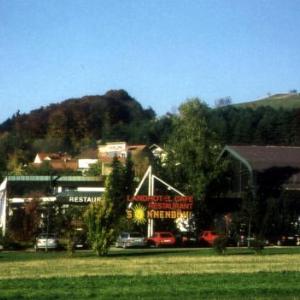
152	274
287	101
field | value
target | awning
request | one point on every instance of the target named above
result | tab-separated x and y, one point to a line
79	197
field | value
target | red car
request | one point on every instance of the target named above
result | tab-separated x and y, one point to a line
162	238
207	237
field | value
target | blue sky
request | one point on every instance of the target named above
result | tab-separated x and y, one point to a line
162	52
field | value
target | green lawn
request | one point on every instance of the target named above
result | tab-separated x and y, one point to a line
286	101
152	274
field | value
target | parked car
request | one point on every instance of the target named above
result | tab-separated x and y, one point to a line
285	240
80	239
46	241
207	237
186	239
162	238
245	241
131	239
80	242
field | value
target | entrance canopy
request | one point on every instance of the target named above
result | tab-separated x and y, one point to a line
79	197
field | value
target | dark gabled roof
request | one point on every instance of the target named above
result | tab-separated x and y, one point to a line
277	164
260	158
90	153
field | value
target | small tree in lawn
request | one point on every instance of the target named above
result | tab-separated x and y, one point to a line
68	222
99	220
103	218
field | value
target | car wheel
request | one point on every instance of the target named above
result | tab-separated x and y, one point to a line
150	244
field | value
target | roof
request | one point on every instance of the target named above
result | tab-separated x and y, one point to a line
43	155
89	153
55	178
278	164
58	164
136	147
261	158
108	159
59	155
155	146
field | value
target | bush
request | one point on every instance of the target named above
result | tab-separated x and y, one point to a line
100	223
9	243
220	244
258	245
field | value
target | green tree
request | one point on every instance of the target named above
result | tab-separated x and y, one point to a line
100	224
224	101
119	184
69	223
129	175
192	153
104	217
94	169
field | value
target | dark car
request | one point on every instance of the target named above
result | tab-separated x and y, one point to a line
245	241
285	240
81	242
186	239
162	238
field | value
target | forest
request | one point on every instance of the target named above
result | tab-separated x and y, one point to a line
76	124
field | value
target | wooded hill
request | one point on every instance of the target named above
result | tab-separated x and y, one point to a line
76	124
92	117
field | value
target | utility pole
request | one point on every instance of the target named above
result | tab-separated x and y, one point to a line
47	228
53	181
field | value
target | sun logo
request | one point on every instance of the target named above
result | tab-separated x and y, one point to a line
139	214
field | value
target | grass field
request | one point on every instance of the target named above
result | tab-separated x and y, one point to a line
286	101
152	274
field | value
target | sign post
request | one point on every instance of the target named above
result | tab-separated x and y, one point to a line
160	207
150	193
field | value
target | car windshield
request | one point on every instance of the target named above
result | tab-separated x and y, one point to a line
165	235
135	235
44	236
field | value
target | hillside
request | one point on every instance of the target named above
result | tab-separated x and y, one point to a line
286	101
75	123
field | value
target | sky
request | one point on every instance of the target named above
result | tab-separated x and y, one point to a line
161	52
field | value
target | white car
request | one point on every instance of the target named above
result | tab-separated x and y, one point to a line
46	242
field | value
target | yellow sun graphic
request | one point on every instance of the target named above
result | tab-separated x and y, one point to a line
139	214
